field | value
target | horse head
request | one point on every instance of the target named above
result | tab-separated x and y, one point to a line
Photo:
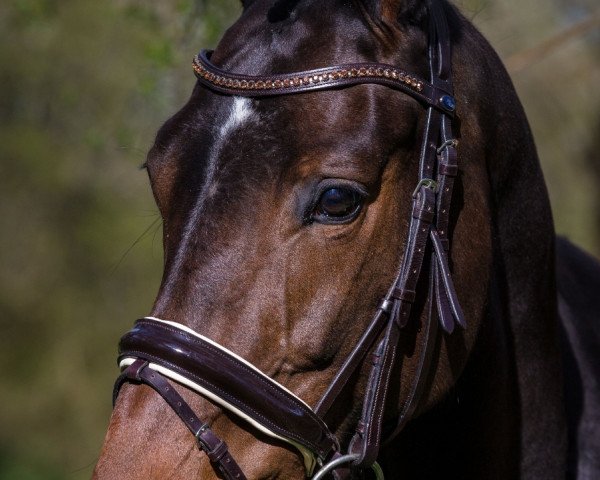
287	217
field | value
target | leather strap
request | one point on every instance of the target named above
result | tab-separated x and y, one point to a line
367	437
422	372
428	204
215	448
444	279
352	362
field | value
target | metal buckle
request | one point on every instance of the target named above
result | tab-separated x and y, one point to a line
201	443
386	305
427	183
453	142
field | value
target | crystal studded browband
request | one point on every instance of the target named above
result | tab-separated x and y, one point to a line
319	79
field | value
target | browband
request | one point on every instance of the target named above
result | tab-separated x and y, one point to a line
320	79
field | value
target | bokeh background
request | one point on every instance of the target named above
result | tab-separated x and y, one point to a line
84	85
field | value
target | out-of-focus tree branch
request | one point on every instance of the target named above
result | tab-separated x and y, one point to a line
525	58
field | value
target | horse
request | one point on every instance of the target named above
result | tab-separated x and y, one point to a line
359	276
578	284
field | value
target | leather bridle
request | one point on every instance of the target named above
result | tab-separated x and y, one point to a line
156	351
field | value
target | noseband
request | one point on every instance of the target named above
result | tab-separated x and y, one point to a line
156	351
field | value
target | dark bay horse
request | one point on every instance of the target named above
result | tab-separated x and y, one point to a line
286	218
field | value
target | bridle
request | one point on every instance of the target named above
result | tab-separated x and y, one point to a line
156	351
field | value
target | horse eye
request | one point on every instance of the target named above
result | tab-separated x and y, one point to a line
337	204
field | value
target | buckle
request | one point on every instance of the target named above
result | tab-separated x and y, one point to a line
453	142
427	183
386	305
201	443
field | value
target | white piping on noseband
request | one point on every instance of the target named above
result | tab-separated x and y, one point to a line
310	459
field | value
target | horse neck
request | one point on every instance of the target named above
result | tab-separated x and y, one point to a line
479	429
524	268
474	432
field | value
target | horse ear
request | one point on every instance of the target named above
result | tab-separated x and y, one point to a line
403	12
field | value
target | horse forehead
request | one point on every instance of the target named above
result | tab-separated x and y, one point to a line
288	35
239	114
241	110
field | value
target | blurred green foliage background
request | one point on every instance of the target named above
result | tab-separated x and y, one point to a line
84	87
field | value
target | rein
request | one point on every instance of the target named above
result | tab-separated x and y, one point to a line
157	351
